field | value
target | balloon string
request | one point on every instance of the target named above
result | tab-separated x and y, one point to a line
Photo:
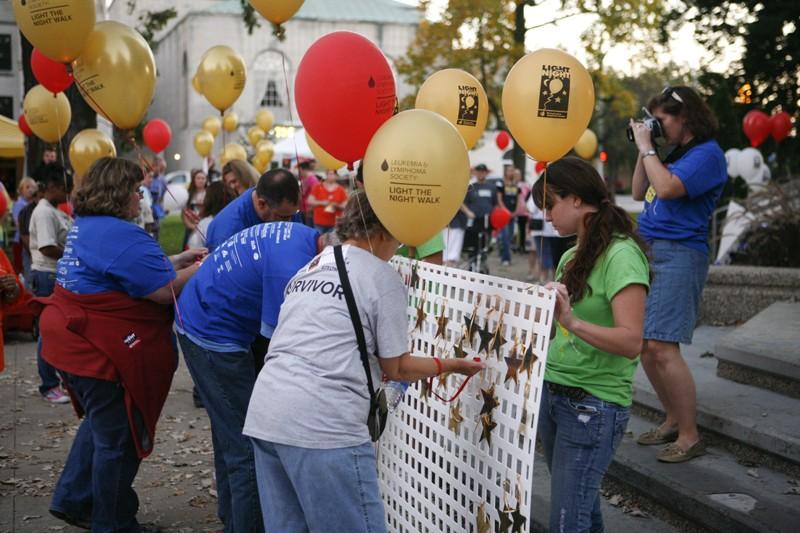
61	146
175	299
289	106
544	213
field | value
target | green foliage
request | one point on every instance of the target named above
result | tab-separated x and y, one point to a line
171	234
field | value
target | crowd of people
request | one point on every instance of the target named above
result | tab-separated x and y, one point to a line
266	256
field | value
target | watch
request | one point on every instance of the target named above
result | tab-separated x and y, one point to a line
649	153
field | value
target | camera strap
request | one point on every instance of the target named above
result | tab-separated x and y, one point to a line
680	151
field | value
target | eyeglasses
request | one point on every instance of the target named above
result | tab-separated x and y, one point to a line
673	92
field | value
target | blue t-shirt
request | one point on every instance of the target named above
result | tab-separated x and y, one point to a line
238	291
703	172
105	253
237	215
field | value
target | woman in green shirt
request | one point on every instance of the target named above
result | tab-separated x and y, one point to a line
601	290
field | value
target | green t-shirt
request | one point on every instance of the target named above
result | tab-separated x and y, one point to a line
427	248
574	362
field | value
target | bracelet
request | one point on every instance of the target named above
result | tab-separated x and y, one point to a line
649	153
439	366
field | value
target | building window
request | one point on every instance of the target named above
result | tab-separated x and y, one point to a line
5	51
271	97
7	106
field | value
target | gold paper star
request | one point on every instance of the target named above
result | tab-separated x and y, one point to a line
523	422
486	337
498	340
443	379
482	522
530	359
421	315
425	390
505	518
471	329
458	349
519	521
489	400
488	425
455	418
512	371
414	276
441	325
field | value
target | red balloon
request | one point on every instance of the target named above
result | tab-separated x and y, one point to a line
53	75
344	91
781	124
756	126
499	218
23	126
502	140
157	135
540	166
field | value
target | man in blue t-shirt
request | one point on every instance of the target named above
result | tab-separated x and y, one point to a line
237	293
275	197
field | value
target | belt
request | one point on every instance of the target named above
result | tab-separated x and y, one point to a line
573	393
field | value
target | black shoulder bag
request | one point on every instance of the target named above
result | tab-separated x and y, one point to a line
378	411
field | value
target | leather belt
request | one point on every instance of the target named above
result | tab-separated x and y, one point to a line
573	393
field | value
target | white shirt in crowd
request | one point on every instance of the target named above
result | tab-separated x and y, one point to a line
49	227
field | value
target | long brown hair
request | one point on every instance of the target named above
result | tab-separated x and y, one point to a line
577	177
683	101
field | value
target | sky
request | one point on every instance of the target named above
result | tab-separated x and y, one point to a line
684	49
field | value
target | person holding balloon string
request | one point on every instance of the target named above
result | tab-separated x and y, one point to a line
679	195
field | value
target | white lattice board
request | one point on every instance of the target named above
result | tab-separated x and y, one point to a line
437	475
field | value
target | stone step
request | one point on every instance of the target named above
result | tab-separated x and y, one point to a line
741	414
764	351
615	519
713	491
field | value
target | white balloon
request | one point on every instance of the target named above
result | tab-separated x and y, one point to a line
749	164
766	175
176	197
730	158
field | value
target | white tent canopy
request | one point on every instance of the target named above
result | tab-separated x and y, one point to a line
292	147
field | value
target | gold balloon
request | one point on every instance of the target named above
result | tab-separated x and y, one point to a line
276	11
58	28
87	147
459	97
260	165
196	84
255	134
203	142
264	151
212	125
548	99
222	75
230	121
416	172
116	74
48	115
323	158
230	152
265	119
586	145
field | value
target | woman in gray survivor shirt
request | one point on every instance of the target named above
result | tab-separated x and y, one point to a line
307	418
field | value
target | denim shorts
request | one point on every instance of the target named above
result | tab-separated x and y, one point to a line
679	274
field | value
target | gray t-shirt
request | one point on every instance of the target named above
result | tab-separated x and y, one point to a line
312	391
49	227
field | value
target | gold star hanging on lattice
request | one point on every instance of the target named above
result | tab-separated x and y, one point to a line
414	276
512	369
519	521
425	390
482	522
523	421
469	321
455	418
488	425
441	325
498	340
421	315
443	380
529	360
458	349
486	338
505	518
489	400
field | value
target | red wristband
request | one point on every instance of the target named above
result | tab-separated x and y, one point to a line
439	366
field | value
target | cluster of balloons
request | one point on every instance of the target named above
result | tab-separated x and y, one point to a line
257	136
757	126
748	164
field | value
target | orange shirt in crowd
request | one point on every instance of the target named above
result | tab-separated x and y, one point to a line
337	196
6	268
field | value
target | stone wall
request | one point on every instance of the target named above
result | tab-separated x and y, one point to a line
734	294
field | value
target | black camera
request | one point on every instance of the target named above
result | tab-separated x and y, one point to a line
651	123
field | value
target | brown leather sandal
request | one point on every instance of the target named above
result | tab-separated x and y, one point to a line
656	436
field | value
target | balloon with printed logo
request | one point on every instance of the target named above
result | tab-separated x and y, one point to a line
756	126
230	152
265	151
265	119
23	126
230	121
157	135
548	99
780	125
502	140
57	28
416	173
731	160
344	90
586	145
222	75
212	125
47	115
255	134
86	147
323	158
116	73
749	165
54	76
459	97
203	143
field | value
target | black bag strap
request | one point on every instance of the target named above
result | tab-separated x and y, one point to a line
344	279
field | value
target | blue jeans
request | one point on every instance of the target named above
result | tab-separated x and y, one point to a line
504	237
43	284
579	440
102	463
316	491
224	382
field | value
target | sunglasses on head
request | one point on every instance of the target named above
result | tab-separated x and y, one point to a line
672	92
